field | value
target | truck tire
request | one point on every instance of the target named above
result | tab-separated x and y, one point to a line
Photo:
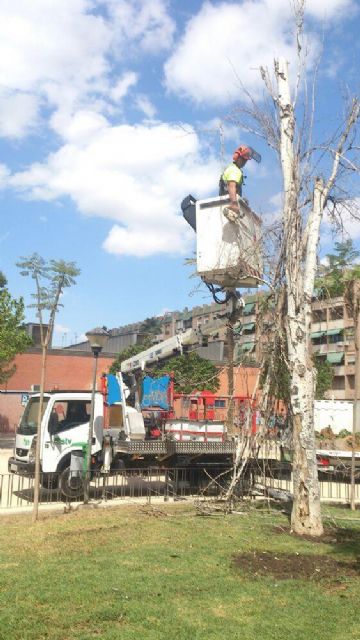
49	481
117	465
71	486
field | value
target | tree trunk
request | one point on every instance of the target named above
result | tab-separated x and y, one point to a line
35	512
356	408
230	378
299	279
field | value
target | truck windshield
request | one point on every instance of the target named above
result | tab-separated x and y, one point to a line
28	424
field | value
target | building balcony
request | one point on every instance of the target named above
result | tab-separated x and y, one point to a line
350	369
318	305
349	346
336	394
325	326
339	371
247	337
323	349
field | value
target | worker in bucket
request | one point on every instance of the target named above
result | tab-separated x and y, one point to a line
232	179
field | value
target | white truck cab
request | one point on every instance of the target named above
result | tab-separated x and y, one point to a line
64	429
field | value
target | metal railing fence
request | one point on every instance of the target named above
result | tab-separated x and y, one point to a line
169	483
143	483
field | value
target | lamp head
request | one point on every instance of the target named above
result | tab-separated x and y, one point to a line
97	338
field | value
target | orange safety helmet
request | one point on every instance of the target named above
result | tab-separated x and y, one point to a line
247	153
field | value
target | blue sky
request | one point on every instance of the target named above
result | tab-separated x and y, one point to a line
109	116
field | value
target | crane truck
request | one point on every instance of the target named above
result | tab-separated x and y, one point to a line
228	255
119	435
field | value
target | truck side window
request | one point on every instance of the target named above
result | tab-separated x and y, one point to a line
71	414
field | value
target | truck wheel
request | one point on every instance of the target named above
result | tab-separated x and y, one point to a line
117	466
49	481
71	485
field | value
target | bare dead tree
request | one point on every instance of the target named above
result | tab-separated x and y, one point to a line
307	191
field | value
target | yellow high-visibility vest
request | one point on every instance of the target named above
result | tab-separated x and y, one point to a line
233	173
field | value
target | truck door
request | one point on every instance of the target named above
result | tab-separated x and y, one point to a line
69	422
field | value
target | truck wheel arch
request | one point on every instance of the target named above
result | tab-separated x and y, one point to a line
64	462
50	480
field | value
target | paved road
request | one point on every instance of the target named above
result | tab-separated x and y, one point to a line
7	440
4	456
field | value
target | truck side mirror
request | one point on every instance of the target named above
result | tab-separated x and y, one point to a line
53	424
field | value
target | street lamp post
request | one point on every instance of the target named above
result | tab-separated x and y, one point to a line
97	339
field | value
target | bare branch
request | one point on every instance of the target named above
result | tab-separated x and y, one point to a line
299	8
351	120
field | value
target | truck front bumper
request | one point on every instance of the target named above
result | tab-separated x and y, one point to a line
20	467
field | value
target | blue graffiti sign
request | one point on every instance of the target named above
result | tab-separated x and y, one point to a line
155	392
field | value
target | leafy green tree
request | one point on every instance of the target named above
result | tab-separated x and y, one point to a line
342	268
324	377
191	372
3	280
279	387
51	278
150	325
13	337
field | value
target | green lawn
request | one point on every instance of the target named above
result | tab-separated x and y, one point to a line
165	572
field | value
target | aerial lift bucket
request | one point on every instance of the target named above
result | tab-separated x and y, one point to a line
228	254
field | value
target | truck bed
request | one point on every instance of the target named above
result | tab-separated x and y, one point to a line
174	447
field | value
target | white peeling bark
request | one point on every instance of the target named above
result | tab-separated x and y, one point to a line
299	276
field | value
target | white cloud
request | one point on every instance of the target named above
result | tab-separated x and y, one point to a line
276	200
135	176
55	51
58	56
330	9
60	328
173	238
145	105
121	88
4	175
143	25
57	62
78	128
345	223
57	41
19	113
225	44
218	130
324	261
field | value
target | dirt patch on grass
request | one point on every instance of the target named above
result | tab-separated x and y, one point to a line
294	566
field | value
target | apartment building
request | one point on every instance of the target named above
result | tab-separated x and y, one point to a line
247	345
332	337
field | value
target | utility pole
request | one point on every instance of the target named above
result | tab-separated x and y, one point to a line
356	408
